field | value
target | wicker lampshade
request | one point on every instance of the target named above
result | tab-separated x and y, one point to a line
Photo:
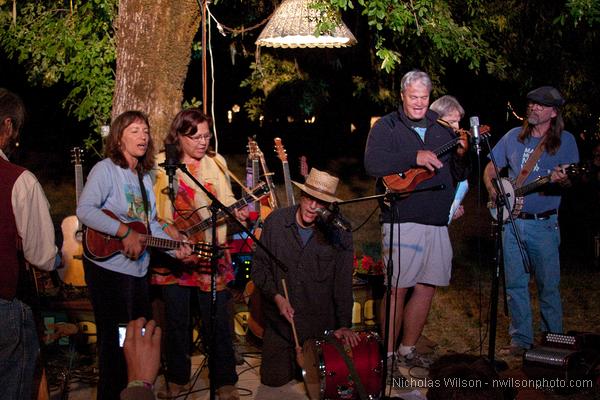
294	24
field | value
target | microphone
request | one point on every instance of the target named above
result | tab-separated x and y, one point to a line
170	165
334	219
474	122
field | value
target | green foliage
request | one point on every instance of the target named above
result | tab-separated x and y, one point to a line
72	46
264	77
581	10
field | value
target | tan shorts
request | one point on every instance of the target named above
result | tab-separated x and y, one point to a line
425	254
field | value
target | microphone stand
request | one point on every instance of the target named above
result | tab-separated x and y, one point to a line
391	197
214	208
501	204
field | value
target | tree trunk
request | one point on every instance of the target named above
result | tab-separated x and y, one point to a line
154	44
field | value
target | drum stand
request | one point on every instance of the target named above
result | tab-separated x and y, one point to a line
502	204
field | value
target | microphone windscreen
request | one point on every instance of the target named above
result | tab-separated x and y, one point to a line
171	154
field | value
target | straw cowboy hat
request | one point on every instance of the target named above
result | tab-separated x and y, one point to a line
320	185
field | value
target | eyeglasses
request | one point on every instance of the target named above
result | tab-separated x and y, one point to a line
198	138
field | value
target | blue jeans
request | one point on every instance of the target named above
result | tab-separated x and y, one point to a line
19	348
541	239
178	334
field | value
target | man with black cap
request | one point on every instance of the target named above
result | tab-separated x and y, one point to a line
316	263
538	148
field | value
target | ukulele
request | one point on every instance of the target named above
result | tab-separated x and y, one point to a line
72	249
282	155
99	246
408	180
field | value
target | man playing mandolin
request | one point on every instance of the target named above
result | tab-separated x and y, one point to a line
408	140
539	147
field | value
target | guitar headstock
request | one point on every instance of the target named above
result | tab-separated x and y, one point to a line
203	250
575	169
254	152
77	155
303	167
281	154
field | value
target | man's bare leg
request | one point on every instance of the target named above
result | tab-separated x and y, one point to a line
416	312
397	311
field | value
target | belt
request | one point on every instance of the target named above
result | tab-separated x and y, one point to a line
538	216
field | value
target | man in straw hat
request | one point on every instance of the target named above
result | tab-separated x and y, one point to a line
316	264
541	136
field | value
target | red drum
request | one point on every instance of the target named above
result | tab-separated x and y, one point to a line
326	375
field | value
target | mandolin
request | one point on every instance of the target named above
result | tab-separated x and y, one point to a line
282	155
99	246
72	249
408	180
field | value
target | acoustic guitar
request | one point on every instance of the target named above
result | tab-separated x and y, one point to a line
272	202
516	195
193	227
282	155
72	249
99	246
408	180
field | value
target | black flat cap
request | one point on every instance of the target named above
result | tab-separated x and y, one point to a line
546	96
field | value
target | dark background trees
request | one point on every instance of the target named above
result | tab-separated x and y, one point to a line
65	57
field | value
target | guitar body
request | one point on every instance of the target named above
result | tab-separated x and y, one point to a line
515	203
187	221
407	181
100	246
256	319
72	253
72	248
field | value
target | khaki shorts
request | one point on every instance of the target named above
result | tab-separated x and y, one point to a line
425	254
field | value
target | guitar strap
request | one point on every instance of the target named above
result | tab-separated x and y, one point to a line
362	393
145	199
226	171
530	164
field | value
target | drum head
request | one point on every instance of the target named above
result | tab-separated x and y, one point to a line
311	370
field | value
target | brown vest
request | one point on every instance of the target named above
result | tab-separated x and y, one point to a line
9	262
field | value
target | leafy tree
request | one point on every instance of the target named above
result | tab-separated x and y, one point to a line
70	45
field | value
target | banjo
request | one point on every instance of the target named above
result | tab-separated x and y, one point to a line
516	195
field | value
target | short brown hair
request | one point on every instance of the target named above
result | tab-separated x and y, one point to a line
112	148
11	106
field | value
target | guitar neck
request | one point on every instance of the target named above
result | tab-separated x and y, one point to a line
289	191
255	175
207	223
159	243
272	196
447	146
530	187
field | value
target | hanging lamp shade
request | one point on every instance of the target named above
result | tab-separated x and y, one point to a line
294	24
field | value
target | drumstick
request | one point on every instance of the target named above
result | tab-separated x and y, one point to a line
299	355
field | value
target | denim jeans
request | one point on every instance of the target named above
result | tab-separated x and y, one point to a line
541	239
19	348
116	298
